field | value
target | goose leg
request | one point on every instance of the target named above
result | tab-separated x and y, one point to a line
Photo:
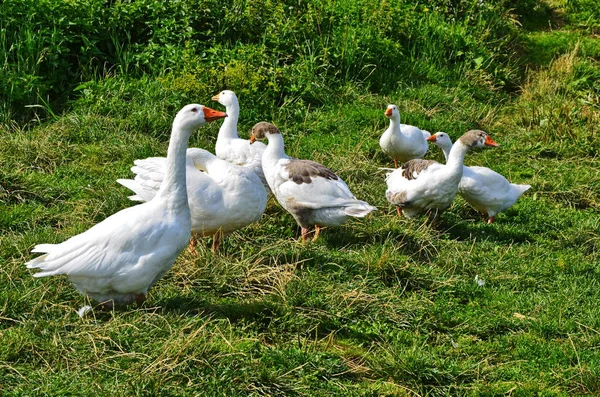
317	232
491	220
192	246
217	240
434	215
395	163
304	233
107	305
139	299
399	211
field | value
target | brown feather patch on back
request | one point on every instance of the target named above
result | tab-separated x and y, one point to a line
302	171
414	167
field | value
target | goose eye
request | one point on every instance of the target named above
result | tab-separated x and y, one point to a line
195	110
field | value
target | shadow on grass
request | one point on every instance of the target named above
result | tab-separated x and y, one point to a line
469	226
346	237
256	311
468	231
410	241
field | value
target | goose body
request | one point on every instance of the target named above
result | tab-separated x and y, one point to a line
222	197
120	258
484	189
230	146
310	192
402	142
428	186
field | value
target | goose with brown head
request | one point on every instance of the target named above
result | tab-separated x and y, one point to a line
312	193
484	189
427	186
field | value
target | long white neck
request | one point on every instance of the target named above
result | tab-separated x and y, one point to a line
446	150
228	129
275	148
173	187
395	128
456	158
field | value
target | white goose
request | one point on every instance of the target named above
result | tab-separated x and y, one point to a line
230	146
428	186
120	258
402	142
312	193
484	189
223	197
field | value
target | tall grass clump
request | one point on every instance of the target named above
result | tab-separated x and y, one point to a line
301	51
45	47
559	105
584	14
48	48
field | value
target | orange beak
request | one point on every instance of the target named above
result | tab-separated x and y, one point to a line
212	115
215	97
388	112
431	138
490	142
252	138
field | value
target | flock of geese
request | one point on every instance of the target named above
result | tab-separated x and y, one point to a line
193	193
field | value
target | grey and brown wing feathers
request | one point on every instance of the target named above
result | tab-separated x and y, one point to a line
398	192
412	168
303	171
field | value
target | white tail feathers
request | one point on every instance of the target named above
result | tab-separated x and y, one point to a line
359	210
44	248
149	174
35	262
144	190
521	188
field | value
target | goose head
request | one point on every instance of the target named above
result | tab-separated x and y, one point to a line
226	98
192	116
477	139
441	140
392	112
263	130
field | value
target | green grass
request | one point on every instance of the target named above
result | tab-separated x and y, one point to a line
379	306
